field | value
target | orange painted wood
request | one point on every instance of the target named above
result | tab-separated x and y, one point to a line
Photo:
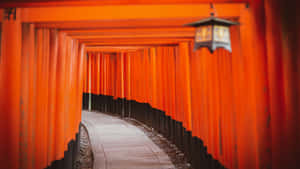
129	31
128	75
120	23
42	3
261	102
10	93
276	85
52	95
41	97
60	101
283	81
96	13
153	55
183	95
28	96
67	92
45	79
189	34
242	105
82	64
98	73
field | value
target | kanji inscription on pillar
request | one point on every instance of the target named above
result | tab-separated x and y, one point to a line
10	14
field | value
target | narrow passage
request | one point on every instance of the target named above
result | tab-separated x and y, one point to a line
117	144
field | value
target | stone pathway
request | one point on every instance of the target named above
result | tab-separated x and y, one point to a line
116	144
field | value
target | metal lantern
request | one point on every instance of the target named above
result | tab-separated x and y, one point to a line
212	33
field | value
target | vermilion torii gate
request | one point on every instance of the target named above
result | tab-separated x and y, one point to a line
244	106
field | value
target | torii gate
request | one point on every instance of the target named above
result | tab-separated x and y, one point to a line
263	44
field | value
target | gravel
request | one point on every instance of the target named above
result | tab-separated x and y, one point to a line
84	159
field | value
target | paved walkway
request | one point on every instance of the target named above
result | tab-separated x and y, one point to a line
117	144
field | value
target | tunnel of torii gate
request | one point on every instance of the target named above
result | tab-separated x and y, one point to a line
136	59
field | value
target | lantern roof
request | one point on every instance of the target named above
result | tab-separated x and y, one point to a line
212	21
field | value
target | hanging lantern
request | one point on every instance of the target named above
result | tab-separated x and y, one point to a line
212	33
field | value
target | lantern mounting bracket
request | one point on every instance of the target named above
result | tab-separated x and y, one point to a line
213	10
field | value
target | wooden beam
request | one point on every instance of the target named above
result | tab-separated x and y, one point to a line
132	44
183	32
124	40
137	35
46	3
129	31
116	48
124	23
129	12
135	42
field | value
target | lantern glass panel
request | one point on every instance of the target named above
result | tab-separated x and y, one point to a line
204	33
221	34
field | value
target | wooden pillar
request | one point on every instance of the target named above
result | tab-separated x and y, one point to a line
81	76
28	96
183	84
10	84
60	101
253	131
282	25
52	94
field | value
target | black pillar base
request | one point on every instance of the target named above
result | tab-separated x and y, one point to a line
69	155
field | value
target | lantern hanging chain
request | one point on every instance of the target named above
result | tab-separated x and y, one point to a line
212	10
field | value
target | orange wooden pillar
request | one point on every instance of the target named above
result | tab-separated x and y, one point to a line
253	135
261	98
238	79
214	106
196	92
98	64
148	82
81	78
147	70
142	77
89	79
128	80
246	115
167	85
10	84
92	69
85	77
117	74
105	74
41	98
153	56
60	101
71	72
52	95
136	73
282	32
122	66
171	77
159	78
28	97
183	94
132	76
225	120
276	83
